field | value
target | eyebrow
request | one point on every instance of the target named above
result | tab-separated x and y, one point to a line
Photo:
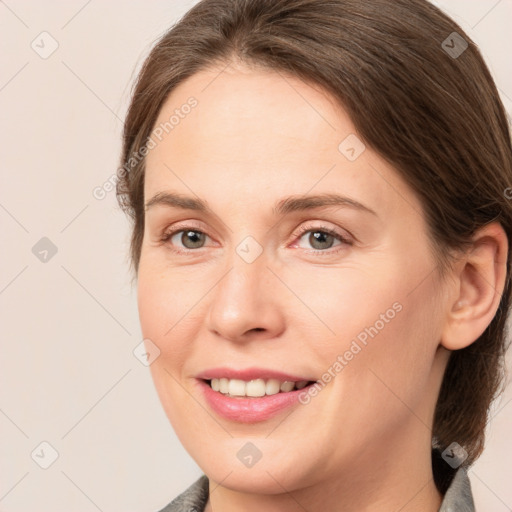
282	207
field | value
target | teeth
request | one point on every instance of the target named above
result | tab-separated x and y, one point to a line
254	388
223	385
272	387
287	386
236	387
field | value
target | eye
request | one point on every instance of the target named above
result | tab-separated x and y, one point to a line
189	238
322	238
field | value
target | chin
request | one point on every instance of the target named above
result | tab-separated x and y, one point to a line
264	480
268	475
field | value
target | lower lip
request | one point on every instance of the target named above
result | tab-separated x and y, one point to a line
248	410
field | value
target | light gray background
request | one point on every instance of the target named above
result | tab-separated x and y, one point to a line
69	325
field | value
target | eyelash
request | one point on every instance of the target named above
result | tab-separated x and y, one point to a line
324	229
167	235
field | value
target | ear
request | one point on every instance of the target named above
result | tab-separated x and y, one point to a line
479	282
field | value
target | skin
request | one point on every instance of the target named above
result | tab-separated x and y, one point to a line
363	443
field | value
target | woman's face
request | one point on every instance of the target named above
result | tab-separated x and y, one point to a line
309	261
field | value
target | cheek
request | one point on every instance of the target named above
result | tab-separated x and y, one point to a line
336	306
375	328
163	315
389	376
170	310
166	301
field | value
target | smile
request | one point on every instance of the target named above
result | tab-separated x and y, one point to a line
252	400
255	388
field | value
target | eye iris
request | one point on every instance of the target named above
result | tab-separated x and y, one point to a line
196	237
321	237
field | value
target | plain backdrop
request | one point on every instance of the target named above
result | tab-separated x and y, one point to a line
69	321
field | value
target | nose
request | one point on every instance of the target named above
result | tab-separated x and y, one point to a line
245	302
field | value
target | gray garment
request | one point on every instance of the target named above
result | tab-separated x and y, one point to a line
458	497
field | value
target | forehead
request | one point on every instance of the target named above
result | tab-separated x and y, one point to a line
260	131
243	107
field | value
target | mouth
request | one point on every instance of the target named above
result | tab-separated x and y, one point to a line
255	388
254	400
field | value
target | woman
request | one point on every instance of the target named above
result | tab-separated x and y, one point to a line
321	246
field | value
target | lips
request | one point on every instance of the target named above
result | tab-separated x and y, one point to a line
251	374
259	407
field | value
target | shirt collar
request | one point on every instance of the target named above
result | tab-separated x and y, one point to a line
458	497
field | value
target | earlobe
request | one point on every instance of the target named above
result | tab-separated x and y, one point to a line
480	277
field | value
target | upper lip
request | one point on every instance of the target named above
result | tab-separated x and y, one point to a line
248	374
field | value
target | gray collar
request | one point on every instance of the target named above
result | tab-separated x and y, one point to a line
458	497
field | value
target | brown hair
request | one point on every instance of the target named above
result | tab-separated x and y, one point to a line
416	95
